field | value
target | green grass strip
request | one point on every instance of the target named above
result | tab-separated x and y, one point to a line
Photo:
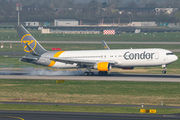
91	109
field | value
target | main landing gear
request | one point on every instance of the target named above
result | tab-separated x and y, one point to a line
88	74
102	73
164	69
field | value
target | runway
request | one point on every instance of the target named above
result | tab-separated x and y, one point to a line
109	77
34	115
96	42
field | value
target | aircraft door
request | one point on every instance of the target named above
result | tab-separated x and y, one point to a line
156	55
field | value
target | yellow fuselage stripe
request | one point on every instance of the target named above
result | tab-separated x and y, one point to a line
56	55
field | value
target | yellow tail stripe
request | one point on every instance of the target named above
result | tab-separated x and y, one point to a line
56	55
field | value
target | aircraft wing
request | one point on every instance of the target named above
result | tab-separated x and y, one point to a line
81	62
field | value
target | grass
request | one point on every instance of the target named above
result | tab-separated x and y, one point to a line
98	92
149	37
18	47
94	92
89	109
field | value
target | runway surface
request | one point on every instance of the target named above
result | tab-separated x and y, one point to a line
34	115
109	77
95	42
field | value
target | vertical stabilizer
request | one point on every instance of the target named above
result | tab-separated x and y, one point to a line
105	45
27	39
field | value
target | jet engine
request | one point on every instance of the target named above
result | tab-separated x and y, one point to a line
103	66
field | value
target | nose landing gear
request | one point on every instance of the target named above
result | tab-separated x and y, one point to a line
164	69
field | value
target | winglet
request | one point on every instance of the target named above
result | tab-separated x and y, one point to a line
105	45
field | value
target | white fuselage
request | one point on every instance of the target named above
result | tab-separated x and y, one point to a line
122	57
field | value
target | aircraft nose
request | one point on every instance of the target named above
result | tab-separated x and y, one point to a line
175	58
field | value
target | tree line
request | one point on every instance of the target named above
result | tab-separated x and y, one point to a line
91	12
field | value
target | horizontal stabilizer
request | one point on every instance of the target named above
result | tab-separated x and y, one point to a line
28	59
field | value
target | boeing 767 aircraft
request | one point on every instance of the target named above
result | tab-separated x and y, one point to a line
101	60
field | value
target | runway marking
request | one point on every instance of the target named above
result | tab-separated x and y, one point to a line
13	117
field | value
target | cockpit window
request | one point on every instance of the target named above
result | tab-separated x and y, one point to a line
169	54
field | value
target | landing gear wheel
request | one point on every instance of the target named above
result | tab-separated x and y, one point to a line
88	74
99	73
164	69
164	72
92	73
102	73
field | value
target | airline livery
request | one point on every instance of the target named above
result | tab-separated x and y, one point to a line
101	60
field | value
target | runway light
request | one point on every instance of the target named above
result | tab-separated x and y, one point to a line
59	81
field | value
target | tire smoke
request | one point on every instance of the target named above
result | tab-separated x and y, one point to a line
47	72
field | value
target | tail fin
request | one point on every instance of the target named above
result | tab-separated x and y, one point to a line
105	45
27	39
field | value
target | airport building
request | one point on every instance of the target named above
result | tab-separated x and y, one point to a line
144	24
65	22
31	23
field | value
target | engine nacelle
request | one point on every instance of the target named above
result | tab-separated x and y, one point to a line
127	68
103	66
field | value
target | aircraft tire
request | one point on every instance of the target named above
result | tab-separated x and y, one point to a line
91	73
86	74
102	73
99	73
105	73
164	72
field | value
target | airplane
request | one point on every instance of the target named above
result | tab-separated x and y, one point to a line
101	60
